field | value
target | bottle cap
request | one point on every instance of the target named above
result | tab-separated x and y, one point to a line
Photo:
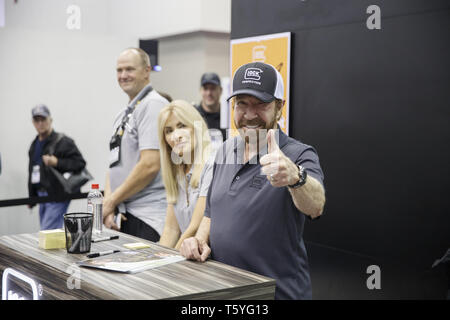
94	186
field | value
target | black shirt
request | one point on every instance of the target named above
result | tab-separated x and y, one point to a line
212	119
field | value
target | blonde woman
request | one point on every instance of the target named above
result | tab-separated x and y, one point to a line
185	150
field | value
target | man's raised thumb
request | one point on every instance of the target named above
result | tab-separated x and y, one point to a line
272	143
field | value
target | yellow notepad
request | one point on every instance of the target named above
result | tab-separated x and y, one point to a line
52	239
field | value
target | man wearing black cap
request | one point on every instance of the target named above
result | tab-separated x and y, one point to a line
209	107
264	186
50	149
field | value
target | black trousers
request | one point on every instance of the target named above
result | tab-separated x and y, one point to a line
138	228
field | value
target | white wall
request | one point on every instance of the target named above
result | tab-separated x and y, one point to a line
138	18
158	18
73	72
185	58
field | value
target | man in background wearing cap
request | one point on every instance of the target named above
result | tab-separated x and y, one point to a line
133	182
262	190
65	157
209	107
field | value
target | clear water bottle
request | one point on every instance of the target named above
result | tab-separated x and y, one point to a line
95	206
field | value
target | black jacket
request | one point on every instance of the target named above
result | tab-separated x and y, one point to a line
69	160
212	120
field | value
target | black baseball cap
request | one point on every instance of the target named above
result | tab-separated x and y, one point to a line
210	77
40	110
260	80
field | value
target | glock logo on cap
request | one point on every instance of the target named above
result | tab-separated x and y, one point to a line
252	74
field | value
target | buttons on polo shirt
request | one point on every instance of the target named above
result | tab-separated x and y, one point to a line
236	179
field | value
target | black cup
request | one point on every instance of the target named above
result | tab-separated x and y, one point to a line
78	227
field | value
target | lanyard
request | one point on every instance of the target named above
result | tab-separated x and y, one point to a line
116	140
121	129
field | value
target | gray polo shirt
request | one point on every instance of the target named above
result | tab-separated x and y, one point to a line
187	199
255	226
141	133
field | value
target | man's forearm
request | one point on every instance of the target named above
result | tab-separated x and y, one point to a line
203	230
141	175
309	198
107	189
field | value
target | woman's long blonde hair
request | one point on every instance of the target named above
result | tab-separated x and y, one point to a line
170	171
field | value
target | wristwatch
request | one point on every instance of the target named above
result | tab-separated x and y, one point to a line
302	178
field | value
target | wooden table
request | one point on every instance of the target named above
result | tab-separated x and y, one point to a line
57	273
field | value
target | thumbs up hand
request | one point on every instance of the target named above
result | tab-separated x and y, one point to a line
280	170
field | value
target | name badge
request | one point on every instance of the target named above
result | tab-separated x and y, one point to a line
114	156
36	175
